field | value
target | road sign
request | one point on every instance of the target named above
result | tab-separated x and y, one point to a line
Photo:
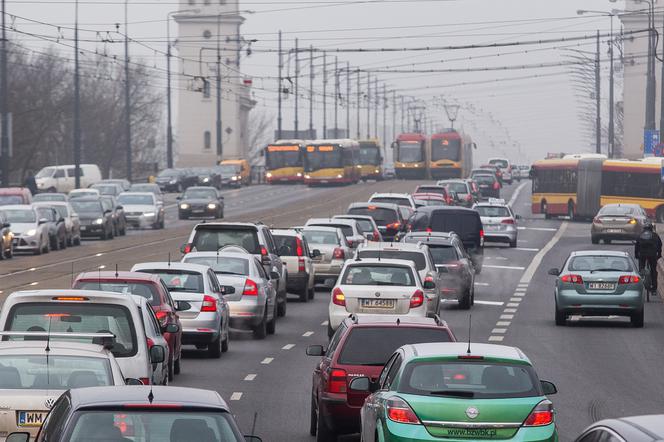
650	140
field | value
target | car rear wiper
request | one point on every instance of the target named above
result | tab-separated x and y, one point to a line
606	270
372	364
227	273
455	393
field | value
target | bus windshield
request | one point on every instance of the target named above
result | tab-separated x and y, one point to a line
410	152
283	156
370	155
445	150
317	159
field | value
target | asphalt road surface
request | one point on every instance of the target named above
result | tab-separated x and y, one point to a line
602	366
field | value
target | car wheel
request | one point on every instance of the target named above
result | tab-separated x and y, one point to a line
225	344
561	317
313	424
304	294
312	292
637	319
281	308
214	348
272	325
260	331
545	210
465	302
77	240
171	370
3	255
65	242
55	244
594	240
513	244
176	366
323	432
47	246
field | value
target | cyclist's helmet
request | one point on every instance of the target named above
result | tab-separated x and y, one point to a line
647	225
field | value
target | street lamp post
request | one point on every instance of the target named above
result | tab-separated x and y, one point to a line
650	76
77	105
127	95
4	140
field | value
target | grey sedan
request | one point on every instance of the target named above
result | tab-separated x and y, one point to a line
647	428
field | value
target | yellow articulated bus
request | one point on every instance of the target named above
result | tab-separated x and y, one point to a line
410	156
284	162
371	160
331	162
450	155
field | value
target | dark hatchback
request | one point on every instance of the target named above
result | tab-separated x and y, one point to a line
489	185
125	413
201	201
95	219
360	348
466	223
175	180
388	217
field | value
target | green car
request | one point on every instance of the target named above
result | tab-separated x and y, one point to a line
443	391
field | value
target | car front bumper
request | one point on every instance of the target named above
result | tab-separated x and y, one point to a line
141	220
92	230
26	243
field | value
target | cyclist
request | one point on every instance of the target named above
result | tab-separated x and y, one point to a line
648	248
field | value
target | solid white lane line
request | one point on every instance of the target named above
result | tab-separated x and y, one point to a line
489	302
537	260
508	310
267	361
481	284
236	396
288	346
307	334
324	323
506	316
503	323
499	331
496	338
526	249
503	267
250	377
516	193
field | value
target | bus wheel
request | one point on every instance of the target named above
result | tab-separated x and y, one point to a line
544	210
570	210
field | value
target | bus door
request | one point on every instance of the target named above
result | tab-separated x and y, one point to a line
589	187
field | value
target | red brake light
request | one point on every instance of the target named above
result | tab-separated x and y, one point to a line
250	288
299	250
399	411
469	197
339	253
573	279
209	304
263	251
338	297
507	221
417	299
394	226
541	415
376	235
628	279
188	248
428	230
496	185
161	316
146	381
150	343
300	265
597	220
337	381
481	233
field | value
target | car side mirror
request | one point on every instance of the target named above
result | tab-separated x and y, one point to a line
171	328
107	211
61	220
182	306
43	221
18	437
133	381
274	275
518	217
227	290
315	253
429	285
157	354
393	145
548	388
315	350
119	208
178	198
363	384
266	260
554	272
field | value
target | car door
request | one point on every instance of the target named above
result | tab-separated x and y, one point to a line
269	288
213	283
277	263
374	403
322	368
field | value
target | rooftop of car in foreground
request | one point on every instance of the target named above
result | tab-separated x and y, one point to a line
226	224
601	252
56	347
120	276
445	208
391	320
66	295
137	396
401	246
173	265
377	205
455	349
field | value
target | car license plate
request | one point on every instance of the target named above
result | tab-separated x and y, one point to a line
601	286
378	303
324	181
472	433
198	211
83	228
31	418
614	230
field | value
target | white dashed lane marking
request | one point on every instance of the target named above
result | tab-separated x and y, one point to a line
250	377
307	334
489	302
288	346
236	396
481	284
324	323
503	267
526	249
267	361
496	338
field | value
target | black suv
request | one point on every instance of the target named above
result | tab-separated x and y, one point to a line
175	180
388	217
255	238
466	223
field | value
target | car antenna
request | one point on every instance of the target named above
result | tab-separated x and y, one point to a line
253	425
150	395
48	350
169	259
116	270
470	324
398	322
99	277
217	256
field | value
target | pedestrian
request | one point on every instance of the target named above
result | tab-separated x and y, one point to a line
31	182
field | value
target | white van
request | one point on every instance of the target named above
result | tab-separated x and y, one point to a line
62	179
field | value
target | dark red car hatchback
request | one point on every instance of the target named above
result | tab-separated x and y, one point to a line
360	347
155	291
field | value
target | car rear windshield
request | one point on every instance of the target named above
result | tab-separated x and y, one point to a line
617	211
106	189
76	318
431	189
223	265
417	258
443	254
466	224
142	289
8	200
493	211
213	239
288	243
141	200
459	188
321	237
597	263
484	179
37	372
373	346
180	280
380	215
49	197
378	275
391	200
475	380
153	426
347	230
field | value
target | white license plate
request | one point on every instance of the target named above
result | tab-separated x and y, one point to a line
323	181
378	303
198	211
601	286
31	418
83	228
614	230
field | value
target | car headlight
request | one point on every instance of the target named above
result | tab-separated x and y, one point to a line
339	176
234	178
376	171
172	182
212	206
205	180
299	175
307	176
148	214
184	206
31	232
99	221
268	175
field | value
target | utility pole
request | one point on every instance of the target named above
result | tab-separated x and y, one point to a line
336	97
403	113
311	92
220	148
77	106
394	115
384	114
127	96
347	100
279	88
612	98
598	121
377	105
324	95
359	102
661	117
652	82
368	105
4	140
297	91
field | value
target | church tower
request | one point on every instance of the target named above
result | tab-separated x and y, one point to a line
208	38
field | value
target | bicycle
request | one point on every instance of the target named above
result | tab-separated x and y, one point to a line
646	274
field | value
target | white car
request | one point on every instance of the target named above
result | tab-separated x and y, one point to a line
375	287
333	251
350	227
400	199
83	193
143	209
499	221
30	233
72	222
295	252
87	311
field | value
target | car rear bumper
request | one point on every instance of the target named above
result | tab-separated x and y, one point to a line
497	236
325	271
337	314
297	281
198	336
339	416
246	314
598	304
394	431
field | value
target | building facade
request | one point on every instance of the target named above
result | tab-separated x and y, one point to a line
210	37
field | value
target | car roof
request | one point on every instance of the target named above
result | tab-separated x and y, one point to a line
59	348
451	349
285	232
391	321
199	188
431	240
173	265
110	275
390	194
382	261
51	203
17	207
48	295
351	216
599	252
345	222
137	193
653	423
432	235
621	205
451	209
321	228
87	199
379	205
248	256
401	246
137	395
228	224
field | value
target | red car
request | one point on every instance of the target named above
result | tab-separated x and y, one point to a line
360	347
153	289
15	195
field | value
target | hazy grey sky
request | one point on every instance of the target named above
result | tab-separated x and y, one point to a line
539	114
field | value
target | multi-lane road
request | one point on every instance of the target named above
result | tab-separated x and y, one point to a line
602	366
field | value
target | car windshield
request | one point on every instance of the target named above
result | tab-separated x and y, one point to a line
49	197
139	200
222	265
8	200
56	372
431	189
211	240
76	317
200	194
180	280
617	211
20	216
155	425
46	172
429	202
93	207
145	290
493	211
443	254
598	263
380	215
417	258
106	189
143	188
378	275
459	188
228	169
391	200
321	237
472	380
169	173
373	346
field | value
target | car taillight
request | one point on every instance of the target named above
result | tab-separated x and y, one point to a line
453	265
507	221
250	288
573	279
428	230
300	265
399	411
338	253
417	299
481	233
209	304
263	251
632	221
376	235
394	226
469	197
161	317
187	248
628	279
496	185
336	383
338	297
150	343
597	220
541	415
146	381
299	250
